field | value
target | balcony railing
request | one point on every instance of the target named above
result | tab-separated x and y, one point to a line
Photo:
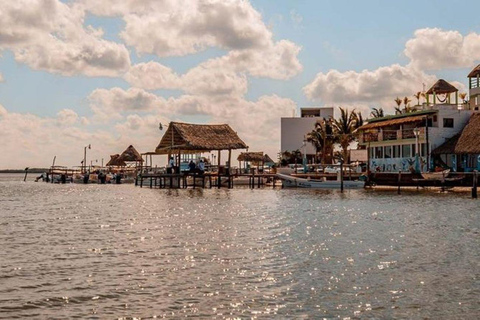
389	135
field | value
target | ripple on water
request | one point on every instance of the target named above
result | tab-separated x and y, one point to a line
124	252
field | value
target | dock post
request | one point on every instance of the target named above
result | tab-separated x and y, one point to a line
474	187
399	180
141	181
341	176
26	172
151	182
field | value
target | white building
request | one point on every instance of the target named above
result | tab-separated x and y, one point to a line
405	141
295	129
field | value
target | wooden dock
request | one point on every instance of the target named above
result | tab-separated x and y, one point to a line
206	180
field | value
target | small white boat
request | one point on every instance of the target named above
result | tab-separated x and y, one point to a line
296	182
440	176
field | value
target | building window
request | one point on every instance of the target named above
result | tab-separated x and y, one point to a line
423	149
396	152
372	153
378	152
448	122
388	152
406	151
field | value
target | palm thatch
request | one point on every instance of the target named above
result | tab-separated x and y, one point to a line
131	154
442	86
198	138
475	72
469	141
402	120
267	159
448	147
115	161
251	156
465	142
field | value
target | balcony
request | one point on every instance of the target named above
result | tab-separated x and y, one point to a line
391	135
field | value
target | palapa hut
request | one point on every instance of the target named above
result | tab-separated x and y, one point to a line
131	155
462	151
115	161
441	91
256	158
190	138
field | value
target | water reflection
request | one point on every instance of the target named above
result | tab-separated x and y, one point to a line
124	252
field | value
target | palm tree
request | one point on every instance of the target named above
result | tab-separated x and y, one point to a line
398	109
418	95
462	96
344	129
406	102
321	137
377	113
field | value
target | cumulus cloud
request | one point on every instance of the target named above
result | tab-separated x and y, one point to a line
110	103
377	87
67	117
3	111
186	26
152	75
49	35
434	49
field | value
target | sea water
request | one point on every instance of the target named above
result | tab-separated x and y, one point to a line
123	252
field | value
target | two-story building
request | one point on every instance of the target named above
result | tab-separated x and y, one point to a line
404	142
295	129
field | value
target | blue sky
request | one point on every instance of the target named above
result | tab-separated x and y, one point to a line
78	72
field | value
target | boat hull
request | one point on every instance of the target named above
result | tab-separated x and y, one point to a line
295	182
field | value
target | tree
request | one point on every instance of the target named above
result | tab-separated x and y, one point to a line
344	129
377	113
321	137
418	95
406	102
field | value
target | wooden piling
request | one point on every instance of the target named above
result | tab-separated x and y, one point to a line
26	172
399	181
474	187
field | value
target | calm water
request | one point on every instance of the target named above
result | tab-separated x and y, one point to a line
116	251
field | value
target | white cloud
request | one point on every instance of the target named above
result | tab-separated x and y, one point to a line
67	117
176	27
3	111
376	88
1	76
49	35
111	103
434	49
152	75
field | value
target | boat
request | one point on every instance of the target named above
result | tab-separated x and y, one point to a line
437	176
292	181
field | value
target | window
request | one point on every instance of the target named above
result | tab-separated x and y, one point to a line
423	150
378	152
388	152
406	151
448	122
396	152
413	147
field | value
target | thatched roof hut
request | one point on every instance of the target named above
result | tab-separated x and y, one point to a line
475	72
115	161
131	155
251	156
466	142
441	87
198	138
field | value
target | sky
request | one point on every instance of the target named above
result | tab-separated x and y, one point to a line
106	73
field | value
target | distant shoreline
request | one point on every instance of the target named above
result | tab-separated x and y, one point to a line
30	170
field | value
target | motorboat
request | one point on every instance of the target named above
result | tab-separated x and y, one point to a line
290	181
438	176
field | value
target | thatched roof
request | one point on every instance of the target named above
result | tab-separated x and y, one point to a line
198	138
466	142
251	156
442	86
391	122
448	147
469	141
131	154
267	159
115	161
475	72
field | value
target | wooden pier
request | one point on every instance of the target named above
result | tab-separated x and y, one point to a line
206	180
